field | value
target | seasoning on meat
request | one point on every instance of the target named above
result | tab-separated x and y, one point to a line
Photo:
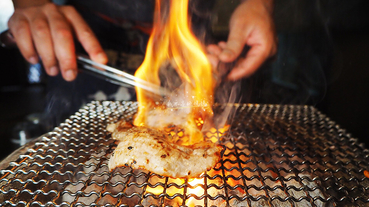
153	150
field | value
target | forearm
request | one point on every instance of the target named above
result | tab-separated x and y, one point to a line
29	3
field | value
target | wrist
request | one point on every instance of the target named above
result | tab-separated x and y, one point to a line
29	3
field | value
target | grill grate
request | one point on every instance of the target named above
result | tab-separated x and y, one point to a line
273	156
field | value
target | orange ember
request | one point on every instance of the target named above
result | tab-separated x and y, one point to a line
173	44
366	173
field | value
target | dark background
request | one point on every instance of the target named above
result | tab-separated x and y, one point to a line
322	60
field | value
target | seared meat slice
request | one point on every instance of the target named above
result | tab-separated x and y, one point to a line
150	149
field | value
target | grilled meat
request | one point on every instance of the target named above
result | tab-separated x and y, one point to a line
151	149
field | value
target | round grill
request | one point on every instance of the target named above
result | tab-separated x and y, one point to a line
273	156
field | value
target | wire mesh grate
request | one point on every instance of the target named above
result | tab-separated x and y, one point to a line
273	155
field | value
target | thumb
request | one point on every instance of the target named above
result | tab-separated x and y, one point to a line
234	45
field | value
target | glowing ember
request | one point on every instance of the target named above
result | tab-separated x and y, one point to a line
172	44
195	189
213	134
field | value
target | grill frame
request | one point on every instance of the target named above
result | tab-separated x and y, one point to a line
272	154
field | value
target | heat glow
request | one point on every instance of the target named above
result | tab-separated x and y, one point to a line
173	43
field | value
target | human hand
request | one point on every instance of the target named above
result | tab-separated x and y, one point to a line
251	24
46	31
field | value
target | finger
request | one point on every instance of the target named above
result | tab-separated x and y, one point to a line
21	32
222	45
235	43
62	37
254	58
214	49
43	43
85	35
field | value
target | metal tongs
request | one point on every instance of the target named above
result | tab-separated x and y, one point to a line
105	72
118	77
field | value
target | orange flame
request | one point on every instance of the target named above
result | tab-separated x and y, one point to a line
173	43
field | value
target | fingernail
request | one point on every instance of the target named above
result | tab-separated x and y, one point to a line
54	71
70	75
101	58
33	60
232	76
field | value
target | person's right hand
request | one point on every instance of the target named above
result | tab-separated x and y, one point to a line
251	24
47	32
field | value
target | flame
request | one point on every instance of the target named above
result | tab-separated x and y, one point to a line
173	43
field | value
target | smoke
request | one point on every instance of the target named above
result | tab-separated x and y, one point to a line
226	96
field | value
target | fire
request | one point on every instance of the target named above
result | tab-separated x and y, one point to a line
172	43
194	188
213	134
197	190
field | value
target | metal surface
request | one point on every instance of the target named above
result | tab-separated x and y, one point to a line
119	77
273	156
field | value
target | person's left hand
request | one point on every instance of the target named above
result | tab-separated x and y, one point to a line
251	24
